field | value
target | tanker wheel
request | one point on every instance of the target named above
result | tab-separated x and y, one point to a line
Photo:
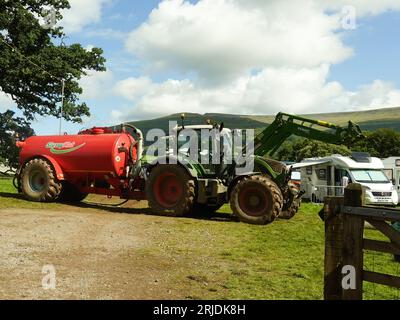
39	182
291	211
70	193
170	190
256	200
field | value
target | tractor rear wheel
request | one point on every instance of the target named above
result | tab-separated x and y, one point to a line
170	190
70	193
256	200
291	211
39	182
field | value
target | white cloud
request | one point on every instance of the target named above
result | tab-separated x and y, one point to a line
133	88
248	57
220	40
96	84
5	101
107	33
379	93
81	14
268	92
363	7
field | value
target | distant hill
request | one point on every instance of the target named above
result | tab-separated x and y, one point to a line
368	120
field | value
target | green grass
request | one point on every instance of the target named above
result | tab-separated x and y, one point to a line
6	185
9	198
229	260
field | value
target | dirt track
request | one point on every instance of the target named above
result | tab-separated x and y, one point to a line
96	254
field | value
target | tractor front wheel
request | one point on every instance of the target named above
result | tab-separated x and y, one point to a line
170	190
291	211
39	182
256	200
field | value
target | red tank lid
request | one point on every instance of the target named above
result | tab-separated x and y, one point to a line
97	130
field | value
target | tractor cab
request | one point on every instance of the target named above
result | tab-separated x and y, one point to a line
207	145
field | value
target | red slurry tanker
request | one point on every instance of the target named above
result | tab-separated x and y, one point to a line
103	161
69	167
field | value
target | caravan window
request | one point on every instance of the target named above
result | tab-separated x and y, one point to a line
369	176
321	173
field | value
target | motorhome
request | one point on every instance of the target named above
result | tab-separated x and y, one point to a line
392	170
329	176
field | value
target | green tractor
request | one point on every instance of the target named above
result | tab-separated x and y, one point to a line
178	185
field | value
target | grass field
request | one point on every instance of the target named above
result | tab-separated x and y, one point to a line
223	259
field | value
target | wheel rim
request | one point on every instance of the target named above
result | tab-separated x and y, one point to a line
254	201
37	181
168	189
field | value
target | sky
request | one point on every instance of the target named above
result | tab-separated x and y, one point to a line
233	56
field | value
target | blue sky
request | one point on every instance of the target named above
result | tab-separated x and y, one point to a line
377	52
234	56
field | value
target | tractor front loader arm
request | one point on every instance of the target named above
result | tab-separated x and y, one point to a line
285	125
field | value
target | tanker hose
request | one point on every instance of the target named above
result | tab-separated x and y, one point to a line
139	143
16	182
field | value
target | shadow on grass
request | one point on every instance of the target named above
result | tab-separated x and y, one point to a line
214	216
12	195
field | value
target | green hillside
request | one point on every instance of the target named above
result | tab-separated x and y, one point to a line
230	121
368	120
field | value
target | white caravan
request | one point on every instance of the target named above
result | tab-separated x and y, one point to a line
392	170
328	176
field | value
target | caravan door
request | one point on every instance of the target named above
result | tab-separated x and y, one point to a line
397	182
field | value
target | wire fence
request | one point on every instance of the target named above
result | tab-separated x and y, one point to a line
319	192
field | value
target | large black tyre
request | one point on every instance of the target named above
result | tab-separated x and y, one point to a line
39	182
256	200
70	193
291	211
170	190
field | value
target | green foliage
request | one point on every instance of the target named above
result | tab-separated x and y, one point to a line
34	59
35	85
301	149
381	143
9	125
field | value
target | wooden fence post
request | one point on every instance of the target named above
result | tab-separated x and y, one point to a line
333	248
352	245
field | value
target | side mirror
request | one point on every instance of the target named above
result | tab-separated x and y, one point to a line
345	182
